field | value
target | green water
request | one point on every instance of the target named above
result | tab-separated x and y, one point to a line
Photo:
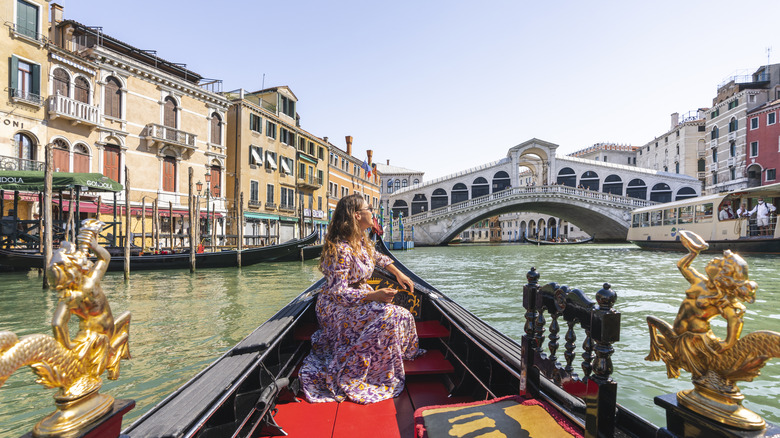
182	322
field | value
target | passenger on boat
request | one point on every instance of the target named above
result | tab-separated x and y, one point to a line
363	339
762	211
725	213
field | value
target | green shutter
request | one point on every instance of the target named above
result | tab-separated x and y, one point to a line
35	87
13	73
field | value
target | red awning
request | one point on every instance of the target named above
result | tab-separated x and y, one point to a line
91	207
23	196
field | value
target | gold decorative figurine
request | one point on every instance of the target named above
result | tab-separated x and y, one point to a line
73	365
715	364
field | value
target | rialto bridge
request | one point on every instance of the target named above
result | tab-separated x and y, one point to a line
596	196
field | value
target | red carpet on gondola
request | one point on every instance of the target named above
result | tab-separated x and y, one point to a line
510	416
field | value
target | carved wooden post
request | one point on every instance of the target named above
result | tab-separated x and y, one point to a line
605	330
530	374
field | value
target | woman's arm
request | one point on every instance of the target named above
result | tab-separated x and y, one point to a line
337	277
402	278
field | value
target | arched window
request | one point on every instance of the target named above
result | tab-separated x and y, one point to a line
416	181
567	177
80	158
397	184
216	129
438	199
404	183
169	113
61	82
685	193
733	124
61	155
459	193
501	181
661	193
111	155
82	90
590	180
390	186
479	188
714	133
169	174
636	189
25	149
112	101
400	207
419	203
613	184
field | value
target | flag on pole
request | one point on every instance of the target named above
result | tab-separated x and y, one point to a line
367	168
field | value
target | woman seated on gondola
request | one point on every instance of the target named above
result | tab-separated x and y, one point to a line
363	339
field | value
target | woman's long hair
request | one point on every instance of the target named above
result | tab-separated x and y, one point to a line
344	227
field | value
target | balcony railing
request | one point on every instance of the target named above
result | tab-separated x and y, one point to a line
26	96
286	207
24	32
63	106
270	206
310	181
164	134
255	203
15	163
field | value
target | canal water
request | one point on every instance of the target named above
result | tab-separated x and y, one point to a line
182	322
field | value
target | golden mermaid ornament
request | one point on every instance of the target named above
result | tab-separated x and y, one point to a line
715	364
73	365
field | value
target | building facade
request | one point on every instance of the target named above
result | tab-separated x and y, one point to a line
763	140
278	167
608	153
394	178
347	175
516	226
727	127
680	150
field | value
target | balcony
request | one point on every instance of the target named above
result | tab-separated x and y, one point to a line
254	203
287	208
28	34
713	167
732	136
72	109
731	161
25	96
158	136
270	206
714	143
14	163
309	182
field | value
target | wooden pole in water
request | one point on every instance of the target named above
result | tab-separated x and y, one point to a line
71	237
191	222
143	223
47	211
127	224
240	225
170	225
155	225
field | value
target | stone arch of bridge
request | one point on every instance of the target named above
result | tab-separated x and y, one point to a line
605	224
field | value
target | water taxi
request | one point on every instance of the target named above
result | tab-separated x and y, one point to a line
729	220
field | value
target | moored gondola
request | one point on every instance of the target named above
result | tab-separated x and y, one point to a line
549	242
218	259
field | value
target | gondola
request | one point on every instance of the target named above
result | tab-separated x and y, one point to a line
309	252
253	390
218	259
547	242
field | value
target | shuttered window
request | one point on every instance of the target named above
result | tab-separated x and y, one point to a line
216	177
61	82
80	159
81	92
169	174
169	112
61	156
27	19
111	162
112	103
216	129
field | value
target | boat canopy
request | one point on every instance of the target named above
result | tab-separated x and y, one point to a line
32	181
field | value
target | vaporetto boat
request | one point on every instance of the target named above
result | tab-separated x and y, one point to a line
658	227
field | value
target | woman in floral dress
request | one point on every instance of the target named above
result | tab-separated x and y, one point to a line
363	339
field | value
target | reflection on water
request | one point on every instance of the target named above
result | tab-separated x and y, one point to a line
488	280
182	322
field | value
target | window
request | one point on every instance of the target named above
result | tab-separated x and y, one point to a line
311	148
320	175
61	82
732	149
61	156
112	101
169	115
80	158
321	153
770	118
286	136
733	173
753	148
111	162
733	125
82	88
270	129
169	174
255	155
255	123
714	133
754	123
216	180
287	198
734	103
27	19
715	113
288	106
287	165
254	192
771	174
714	179
676	167
216	129
25	148
270	160
26	81
714	155
269	194
302	171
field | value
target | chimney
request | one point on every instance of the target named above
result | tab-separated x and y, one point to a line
675	119
56	13
388	161
369	154
325	139
349	145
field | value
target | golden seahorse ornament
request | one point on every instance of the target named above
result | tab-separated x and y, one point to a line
73	365
689	344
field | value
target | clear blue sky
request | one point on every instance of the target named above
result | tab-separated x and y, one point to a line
440	86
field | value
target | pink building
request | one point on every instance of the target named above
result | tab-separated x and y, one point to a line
763	144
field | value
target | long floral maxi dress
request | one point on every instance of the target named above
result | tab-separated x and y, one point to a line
358	351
